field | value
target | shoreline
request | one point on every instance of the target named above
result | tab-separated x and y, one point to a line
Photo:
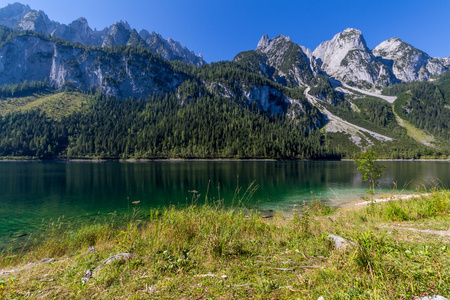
179	250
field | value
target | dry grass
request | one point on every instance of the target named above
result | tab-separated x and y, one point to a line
210	252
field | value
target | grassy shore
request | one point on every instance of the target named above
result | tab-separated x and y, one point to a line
202	252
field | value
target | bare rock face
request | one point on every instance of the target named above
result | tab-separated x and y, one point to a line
22	17
122	75
408	63
332	52
79	32
347	58
118	35
36	21
13	13
280	60
170	49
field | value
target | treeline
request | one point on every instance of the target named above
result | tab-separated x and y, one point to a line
162	127
23	89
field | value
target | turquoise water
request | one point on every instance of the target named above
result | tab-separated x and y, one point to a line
36	194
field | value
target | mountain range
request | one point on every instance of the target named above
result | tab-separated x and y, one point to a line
319	90
345	57
22	17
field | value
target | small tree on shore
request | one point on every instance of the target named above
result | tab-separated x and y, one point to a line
370	170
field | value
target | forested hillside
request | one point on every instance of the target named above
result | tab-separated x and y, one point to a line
162	127
426	105
171	109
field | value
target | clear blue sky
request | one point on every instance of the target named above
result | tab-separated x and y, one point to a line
220	29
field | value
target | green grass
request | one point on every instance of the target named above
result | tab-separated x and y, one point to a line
417	134
286	257
56	105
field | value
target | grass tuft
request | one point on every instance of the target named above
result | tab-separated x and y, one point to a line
207	251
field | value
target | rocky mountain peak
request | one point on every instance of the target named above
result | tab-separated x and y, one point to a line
13	13
349	39
144	34
276	44
394	48
81	25
80	22
125	25
263	42
22	17
136	40
347	58
278	59
118	35
407	62
36	21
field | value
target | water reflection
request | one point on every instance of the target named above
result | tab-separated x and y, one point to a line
32	191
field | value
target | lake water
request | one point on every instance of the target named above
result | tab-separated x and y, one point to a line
36	194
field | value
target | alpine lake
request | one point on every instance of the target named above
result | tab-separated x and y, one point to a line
38	195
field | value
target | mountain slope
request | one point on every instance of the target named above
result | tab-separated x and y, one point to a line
116	72
274	102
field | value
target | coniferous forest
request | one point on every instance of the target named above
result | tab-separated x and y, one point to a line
207	116
163	126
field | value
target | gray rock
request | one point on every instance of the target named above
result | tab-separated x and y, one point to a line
170	49
340	243
22	17
280	60
47	260
37	21
118	35
406	62
87	276
119	257
13	13
120	75
347	58
436	297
